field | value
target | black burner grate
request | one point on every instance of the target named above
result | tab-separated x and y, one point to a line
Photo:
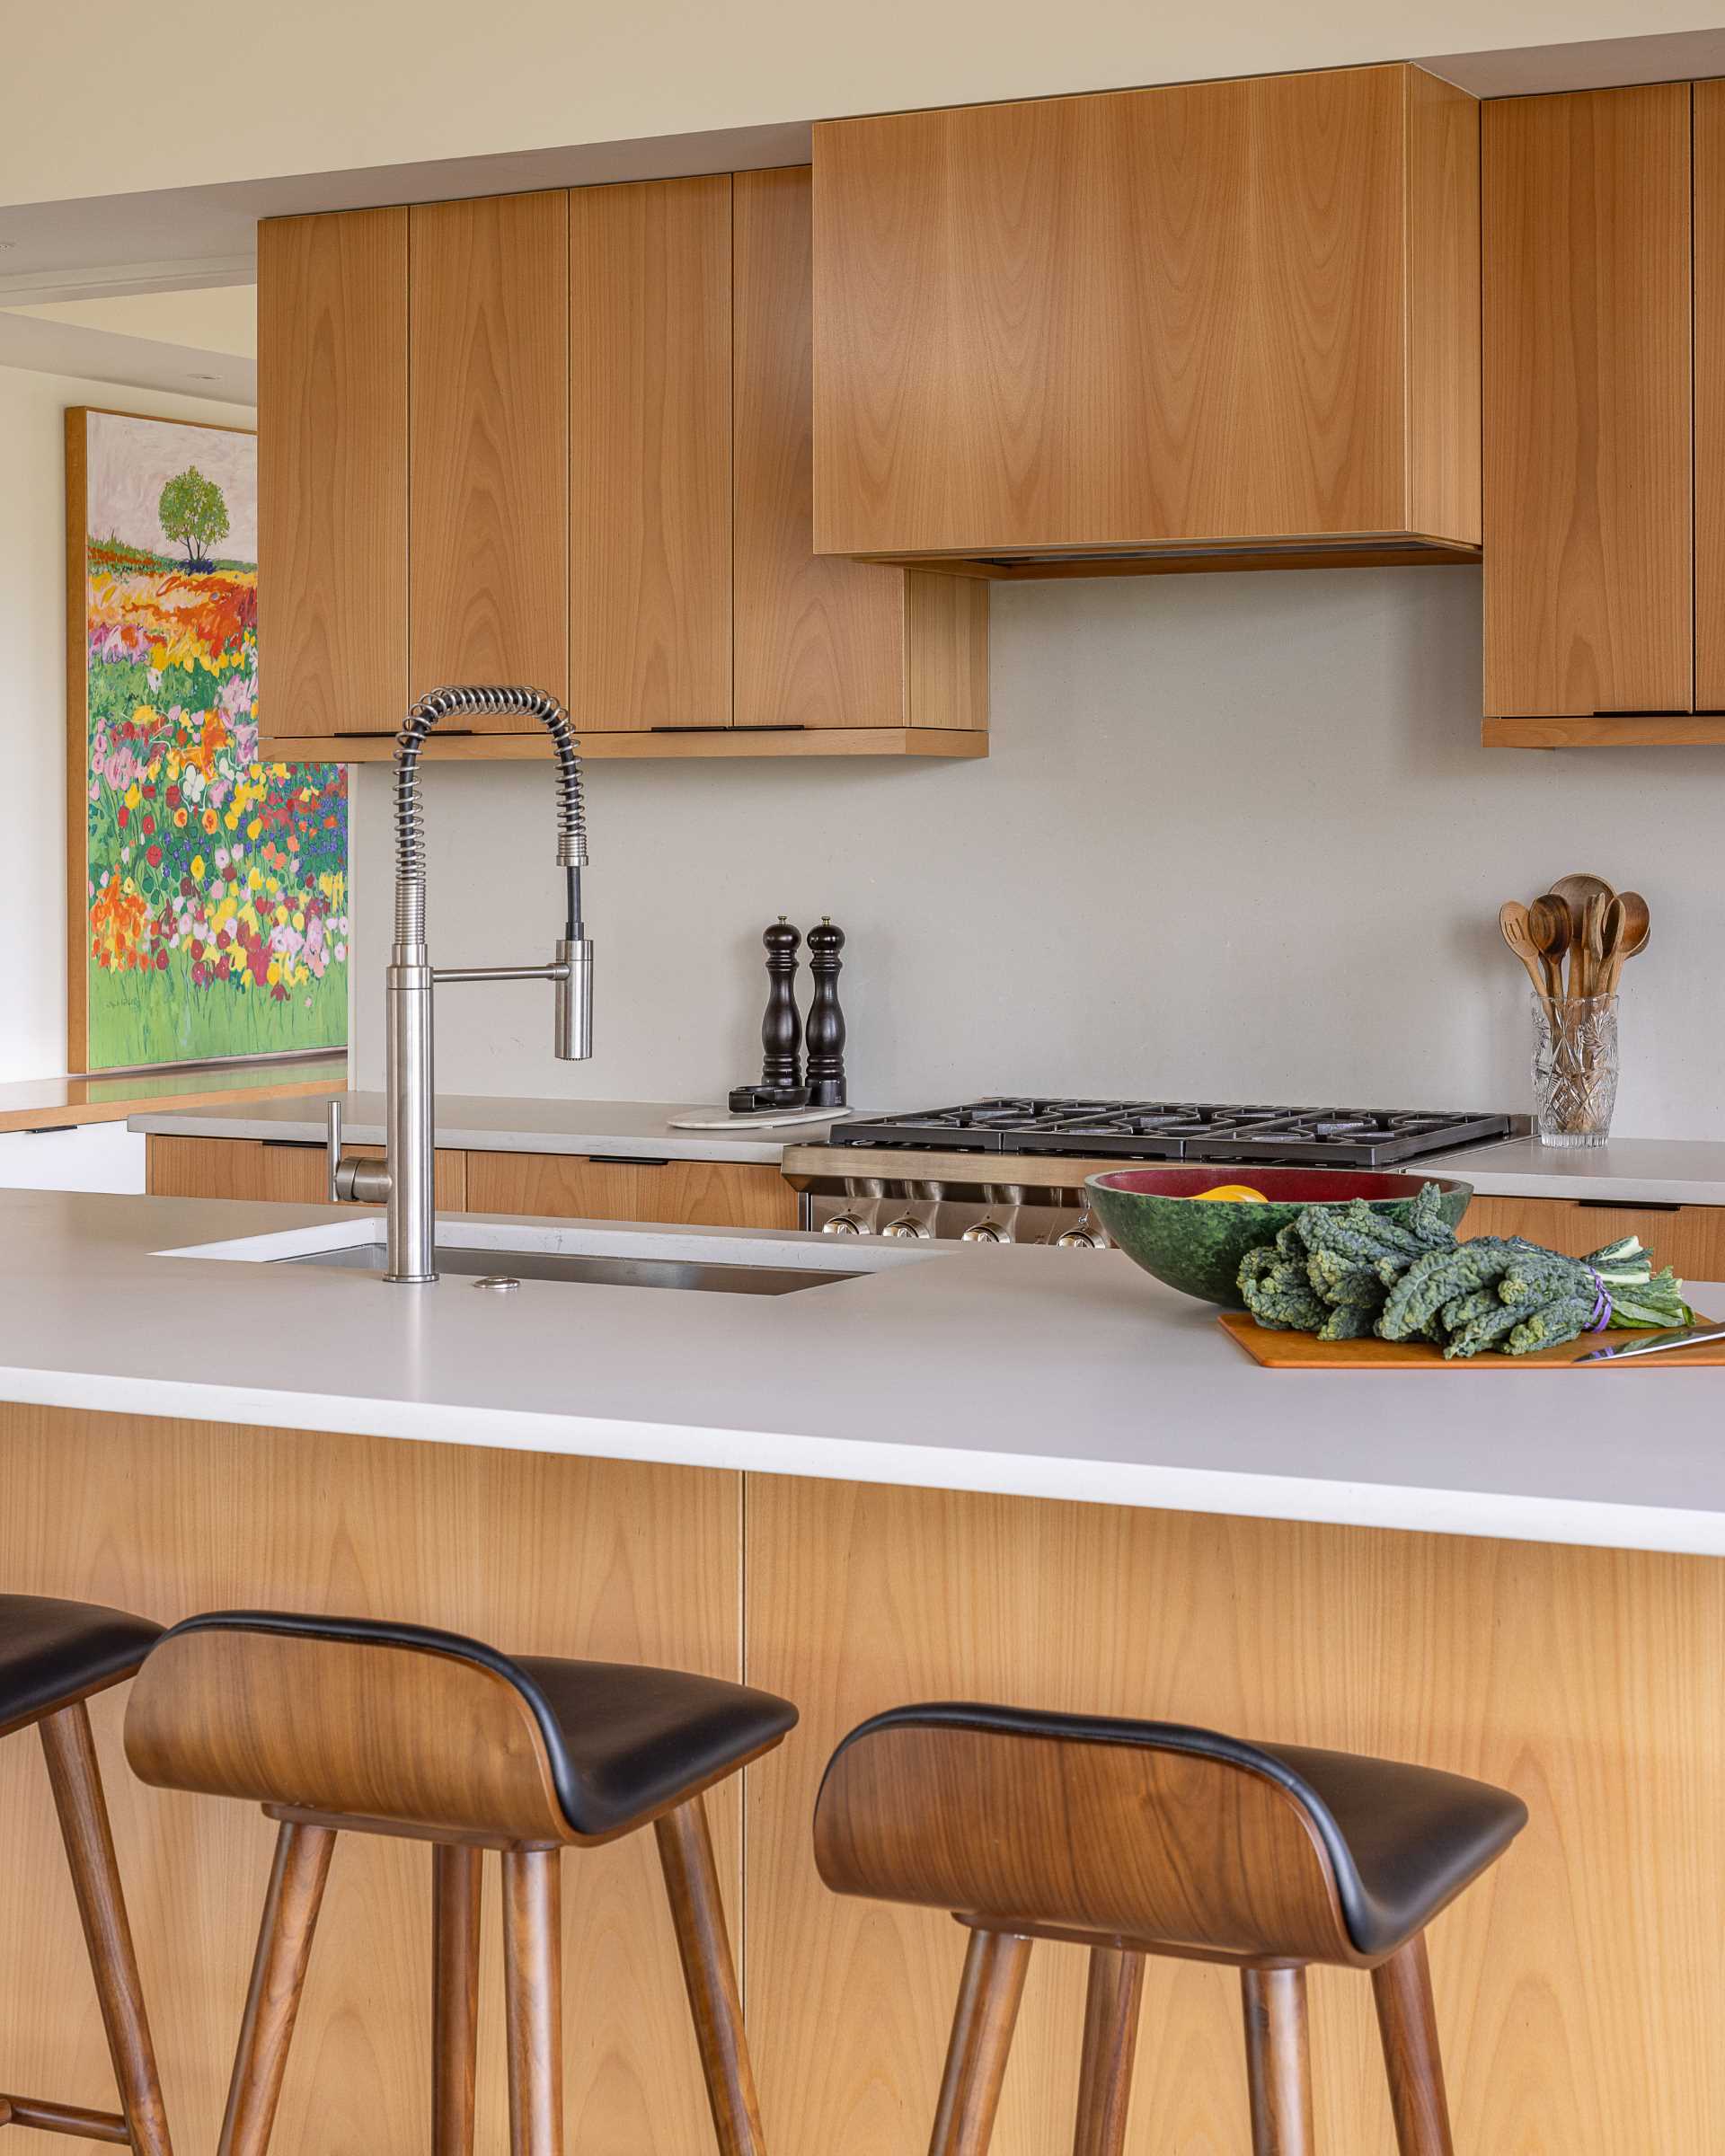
1178	1130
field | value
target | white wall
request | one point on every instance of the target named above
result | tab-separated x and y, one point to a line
1236	838
321	84
33	699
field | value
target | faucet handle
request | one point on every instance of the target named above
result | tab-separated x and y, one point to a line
573	1018
333	1150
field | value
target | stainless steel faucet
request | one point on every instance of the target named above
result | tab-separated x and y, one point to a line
404	1178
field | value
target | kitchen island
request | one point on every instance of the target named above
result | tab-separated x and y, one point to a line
964	1472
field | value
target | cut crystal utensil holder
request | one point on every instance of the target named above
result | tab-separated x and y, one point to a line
1575	1068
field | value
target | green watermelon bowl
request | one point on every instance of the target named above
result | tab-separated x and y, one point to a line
1195	1244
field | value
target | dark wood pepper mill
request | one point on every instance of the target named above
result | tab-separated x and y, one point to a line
781	1083
826	1020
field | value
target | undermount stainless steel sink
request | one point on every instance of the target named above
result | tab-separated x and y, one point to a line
601	1272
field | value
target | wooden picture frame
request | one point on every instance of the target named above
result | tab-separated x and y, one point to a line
207	890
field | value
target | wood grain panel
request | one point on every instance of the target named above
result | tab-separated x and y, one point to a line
539	1555
946	650
1588	538
649	294
1443	294
710	1194
1692	1238
819	643
1141	318
1580	1985
271	1171
489	522
1709	121
966	741
718	1194
332	471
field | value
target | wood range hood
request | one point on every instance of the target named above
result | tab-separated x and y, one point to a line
1221	325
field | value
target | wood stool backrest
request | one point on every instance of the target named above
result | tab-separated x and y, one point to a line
366	1730
1160	1849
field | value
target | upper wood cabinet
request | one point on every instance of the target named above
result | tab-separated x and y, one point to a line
1236	318
332	472
564	438
649	560
1708	122
488	372
1589	575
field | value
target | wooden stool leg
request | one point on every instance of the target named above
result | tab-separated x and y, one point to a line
1111	2003
1402	1988
533	1994
72	1770
290	1910
981	2038
454	2004
1279	2070
710	1974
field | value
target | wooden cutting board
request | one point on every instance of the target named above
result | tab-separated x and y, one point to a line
1305	1351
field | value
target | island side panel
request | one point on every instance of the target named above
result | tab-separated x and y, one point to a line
537	1554
1581	1986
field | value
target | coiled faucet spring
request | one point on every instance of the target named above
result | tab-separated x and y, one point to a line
410	814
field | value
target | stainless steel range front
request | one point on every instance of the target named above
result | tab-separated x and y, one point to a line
1012	1169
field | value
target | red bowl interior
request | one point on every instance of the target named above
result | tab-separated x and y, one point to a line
1285	1186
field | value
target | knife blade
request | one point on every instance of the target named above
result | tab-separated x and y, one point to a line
1680	1336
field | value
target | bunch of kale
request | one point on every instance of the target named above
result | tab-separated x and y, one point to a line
1345	1272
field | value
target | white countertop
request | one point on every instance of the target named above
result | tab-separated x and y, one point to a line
1648	1171
472	1123
1029	1371
1630	1171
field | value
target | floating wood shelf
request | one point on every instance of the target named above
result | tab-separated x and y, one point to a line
687	741
1609	730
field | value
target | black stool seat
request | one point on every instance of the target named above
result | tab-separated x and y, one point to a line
53	1652
622	1740
1403	1841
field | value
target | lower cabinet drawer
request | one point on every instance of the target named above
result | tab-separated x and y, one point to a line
706	1193
1692	1238
288	1172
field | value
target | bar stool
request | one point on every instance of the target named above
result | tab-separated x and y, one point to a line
336	1724
1134	1838
54	1655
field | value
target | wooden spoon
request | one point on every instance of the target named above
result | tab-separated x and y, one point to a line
1548	921
1575	892
1609	963
1637	927
1512	924
1592	953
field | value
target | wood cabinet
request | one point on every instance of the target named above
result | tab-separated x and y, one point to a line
1589	564
332	473
1709	239
281	1171
705	1193
579	456
1222	322
1691	1237
488	534
650	418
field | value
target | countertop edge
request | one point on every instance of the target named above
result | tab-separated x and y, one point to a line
1500	1516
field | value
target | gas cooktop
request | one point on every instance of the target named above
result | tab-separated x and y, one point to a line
1178	1130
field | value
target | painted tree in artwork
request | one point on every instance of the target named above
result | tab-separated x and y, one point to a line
194	515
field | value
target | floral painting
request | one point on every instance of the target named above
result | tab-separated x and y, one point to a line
214	886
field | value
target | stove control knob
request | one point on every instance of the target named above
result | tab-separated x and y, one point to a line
909	1225
1077	1239
843	1223
985	1230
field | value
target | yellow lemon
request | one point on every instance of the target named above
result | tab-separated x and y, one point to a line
1238	1193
